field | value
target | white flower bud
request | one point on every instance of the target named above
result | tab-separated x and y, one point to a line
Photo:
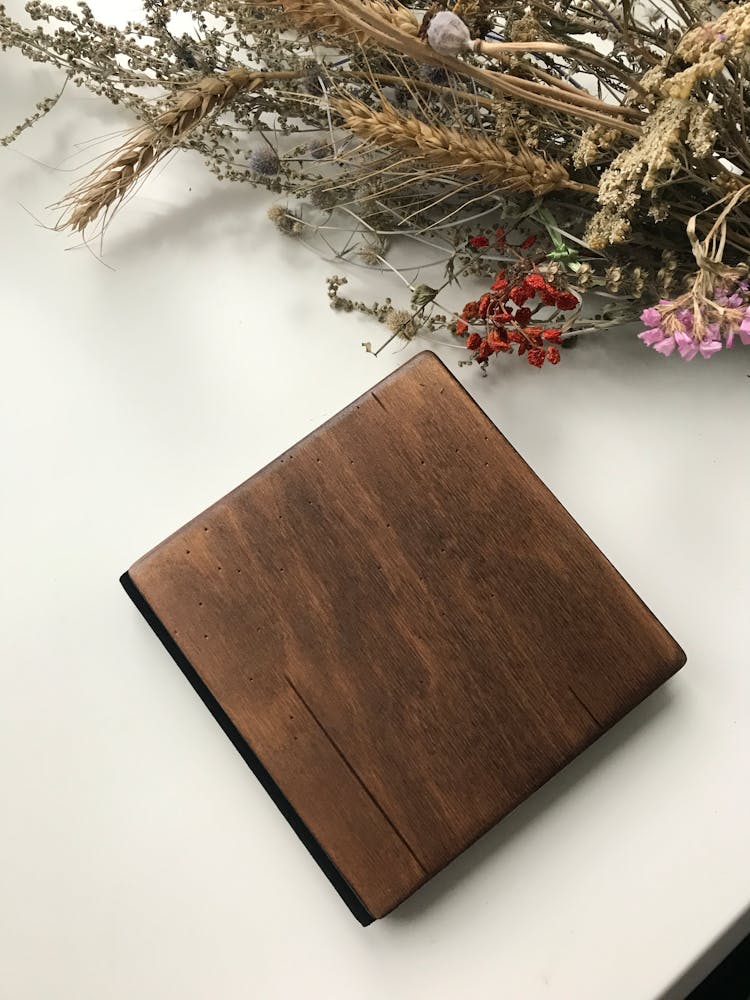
447	34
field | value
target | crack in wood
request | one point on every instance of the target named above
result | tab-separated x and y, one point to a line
364	787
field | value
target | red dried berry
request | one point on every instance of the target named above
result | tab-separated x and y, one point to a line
536	281
462	328
553	355
478	242
548	296
534	334
473	341
566	300
554	336
496	342
520	294
500	237
523	316
470	310
528	243
485	351
537	356
484	305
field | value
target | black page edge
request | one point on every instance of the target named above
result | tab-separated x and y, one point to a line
326	865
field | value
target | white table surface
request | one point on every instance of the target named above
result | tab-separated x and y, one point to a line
140	856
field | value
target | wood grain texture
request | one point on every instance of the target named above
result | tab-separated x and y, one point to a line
406	628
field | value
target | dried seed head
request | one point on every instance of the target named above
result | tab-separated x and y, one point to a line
402	323
264	161
448	34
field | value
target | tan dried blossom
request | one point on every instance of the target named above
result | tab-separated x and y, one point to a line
649	162
702	128
652	81
593	144
526	28
613	277
707	48
606	228
402	323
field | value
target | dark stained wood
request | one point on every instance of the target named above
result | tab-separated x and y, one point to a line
406	628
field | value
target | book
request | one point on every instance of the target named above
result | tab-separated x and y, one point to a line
402	631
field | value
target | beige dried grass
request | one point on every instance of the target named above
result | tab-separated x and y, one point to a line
435	145
382	31
320	17
114	178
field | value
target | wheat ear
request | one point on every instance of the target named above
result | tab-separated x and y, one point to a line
112	180
318	16
438	146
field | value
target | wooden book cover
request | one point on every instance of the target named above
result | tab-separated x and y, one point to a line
402	631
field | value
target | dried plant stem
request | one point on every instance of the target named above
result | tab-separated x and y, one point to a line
498	50
384	33
394	80
112	180
438	146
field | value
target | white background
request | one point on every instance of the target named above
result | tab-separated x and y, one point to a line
140	856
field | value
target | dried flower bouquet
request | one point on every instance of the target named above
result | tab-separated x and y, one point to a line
548	148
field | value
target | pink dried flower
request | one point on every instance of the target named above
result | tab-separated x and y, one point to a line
703	320
651	316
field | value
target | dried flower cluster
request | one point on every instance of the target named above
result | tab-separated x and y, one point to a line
523	310
403	134
699	324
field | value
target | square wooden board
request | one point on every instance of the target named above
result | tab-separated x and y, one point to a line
402	630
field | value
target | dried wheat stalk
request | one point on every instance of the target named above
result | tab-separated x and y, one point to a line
112	180
319	16
367	17
438	146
